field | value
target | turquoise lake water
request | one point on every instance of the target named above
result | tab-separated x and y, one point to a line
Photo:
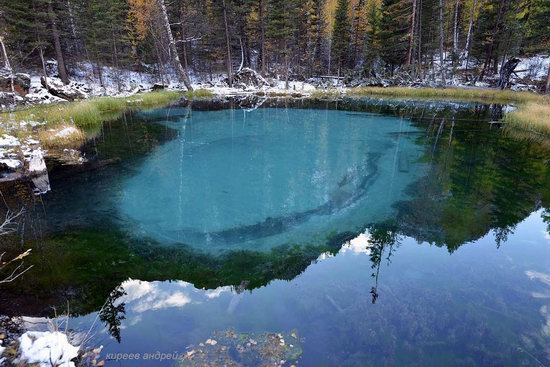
366	232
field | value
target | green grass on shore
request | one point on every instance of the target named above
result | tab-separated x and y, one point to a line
94	111
86	114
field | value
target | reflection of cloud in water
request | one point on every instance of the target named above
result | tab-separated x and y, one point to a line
142	296
544	310
358	245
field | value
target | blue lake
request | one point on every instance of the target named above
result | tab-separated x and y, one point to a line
362	232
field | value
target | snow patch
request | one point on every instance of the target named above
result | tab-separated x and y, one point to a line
12	164
36	162
47	349
2	349
66	132
9	141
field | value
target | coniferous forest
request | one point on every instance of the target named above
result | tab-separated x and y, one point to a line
192	183
287	39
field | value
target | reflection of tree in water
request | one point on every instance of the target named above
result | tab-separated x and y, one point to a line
477	182
382	242
112	314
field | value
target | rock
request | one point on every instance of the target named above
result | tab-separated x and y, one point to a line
246	78
158	86
70	92
36	162
21	82
243	349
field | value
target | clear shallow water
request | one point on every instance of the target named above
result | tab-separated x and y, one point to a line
448	236
236	179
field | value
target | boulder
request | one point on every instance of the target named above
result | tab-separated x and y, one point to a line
21	82
246	78
69	92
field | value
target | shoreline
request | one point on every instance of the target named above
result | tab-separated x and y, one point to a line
30	134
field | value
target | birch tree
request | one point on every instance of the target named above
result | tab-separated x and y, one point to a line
182	73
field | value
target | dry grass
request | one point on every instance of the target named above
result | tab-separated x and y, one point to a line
63	136
482	95
532	116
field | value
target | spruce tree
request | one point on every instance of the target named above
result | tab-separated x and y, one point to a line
341	36
393	35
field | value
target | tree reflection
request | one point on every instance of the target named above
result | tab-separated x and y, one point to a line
112	313
383	240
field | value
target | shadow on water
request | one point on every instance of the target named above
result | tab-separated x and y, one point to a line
476	181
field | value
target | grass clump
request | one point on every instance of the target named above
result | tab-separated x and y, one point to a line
532	113
63	136
326	94
199	93
533	116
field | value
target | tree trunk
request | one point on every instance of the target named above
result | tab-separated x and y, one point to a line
7	64
411	34
41	50
182	73
547	88
61	69
455	29
228	45
441	38
419	33
470	33
183	40
506	71
262	37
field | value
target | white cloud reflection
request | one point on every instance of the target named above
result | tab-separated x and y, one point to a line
142	296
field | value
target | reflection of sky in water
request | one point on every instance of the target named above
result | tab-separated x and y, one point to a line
476	305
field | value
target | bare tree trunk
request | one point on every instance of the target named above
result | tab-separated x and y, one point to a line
411	34
470	33
182	73
43	66
455	29
441	38
228	45
7	64
262	37
548	82
419	32
61	69
286	64
183	40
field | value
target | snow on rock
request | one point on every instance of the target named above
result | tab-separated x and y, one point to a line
70	92
10	163
67	131
47	349
36	162
9	141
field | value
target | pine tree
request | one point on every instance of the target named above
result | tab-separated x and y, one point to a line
341	36
393	36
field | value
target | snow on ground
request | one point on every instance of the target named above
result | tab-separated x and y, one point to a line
47	349
535	68
1	352
9	141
